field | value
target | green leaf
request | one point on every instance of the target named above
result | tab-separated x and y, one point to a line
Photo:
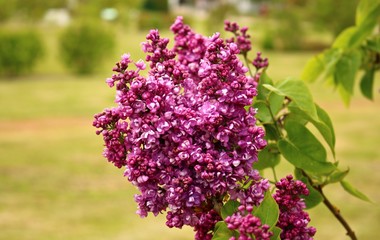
300	159
222	232
219	225
297	115
263	114
262	92
268	210
329	58
366	19
314	198
366	83
325	118
272	88
369	17
362	33
374	45
265	98
354	36
229	208
353	191
337	176
329	133
274	102
313	69
345	72
346	69
276	233
270	131
343	40
298	92
268	158
365	7
345	95
303	139
323	123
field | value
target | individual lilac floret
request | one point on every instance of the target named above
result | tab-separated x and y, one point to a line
254	194
243	43
186	133
248	225
260	62
293	220
206	225
242	39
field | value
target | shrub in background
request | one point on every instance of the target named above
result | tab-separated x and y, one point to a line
286	33
19	51
7	8
84	46
156	5
154	20
289	32
33	10
217	15
324	14
267	41
155	14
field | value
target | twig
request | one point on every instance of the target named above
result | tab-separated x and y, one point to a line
337	214
334	210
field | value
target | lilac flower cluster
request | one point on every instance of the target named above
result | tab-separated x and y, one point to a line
252	195
206	224
293	220
242	39
260	62
183	132
249	226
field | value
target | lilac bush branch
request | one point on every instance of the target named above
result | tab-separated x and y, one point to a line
187	135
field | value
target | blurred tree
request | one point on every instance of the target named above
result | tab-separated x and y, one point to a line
286	31
83	46
7	8
154	14
35	9
218	14
290	15
84	9
156	5
92	8
20	50
332	15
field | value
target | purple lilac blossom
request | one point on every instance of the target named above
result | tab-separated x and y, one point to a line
293	220
260	62
242	39
248	225
183	133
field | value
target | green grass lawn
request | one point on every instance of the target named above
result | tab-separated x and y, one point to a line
55	184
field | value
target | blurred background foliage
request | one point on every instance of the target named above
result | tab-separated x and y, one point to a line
287	25
83	46
20	49
54	183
